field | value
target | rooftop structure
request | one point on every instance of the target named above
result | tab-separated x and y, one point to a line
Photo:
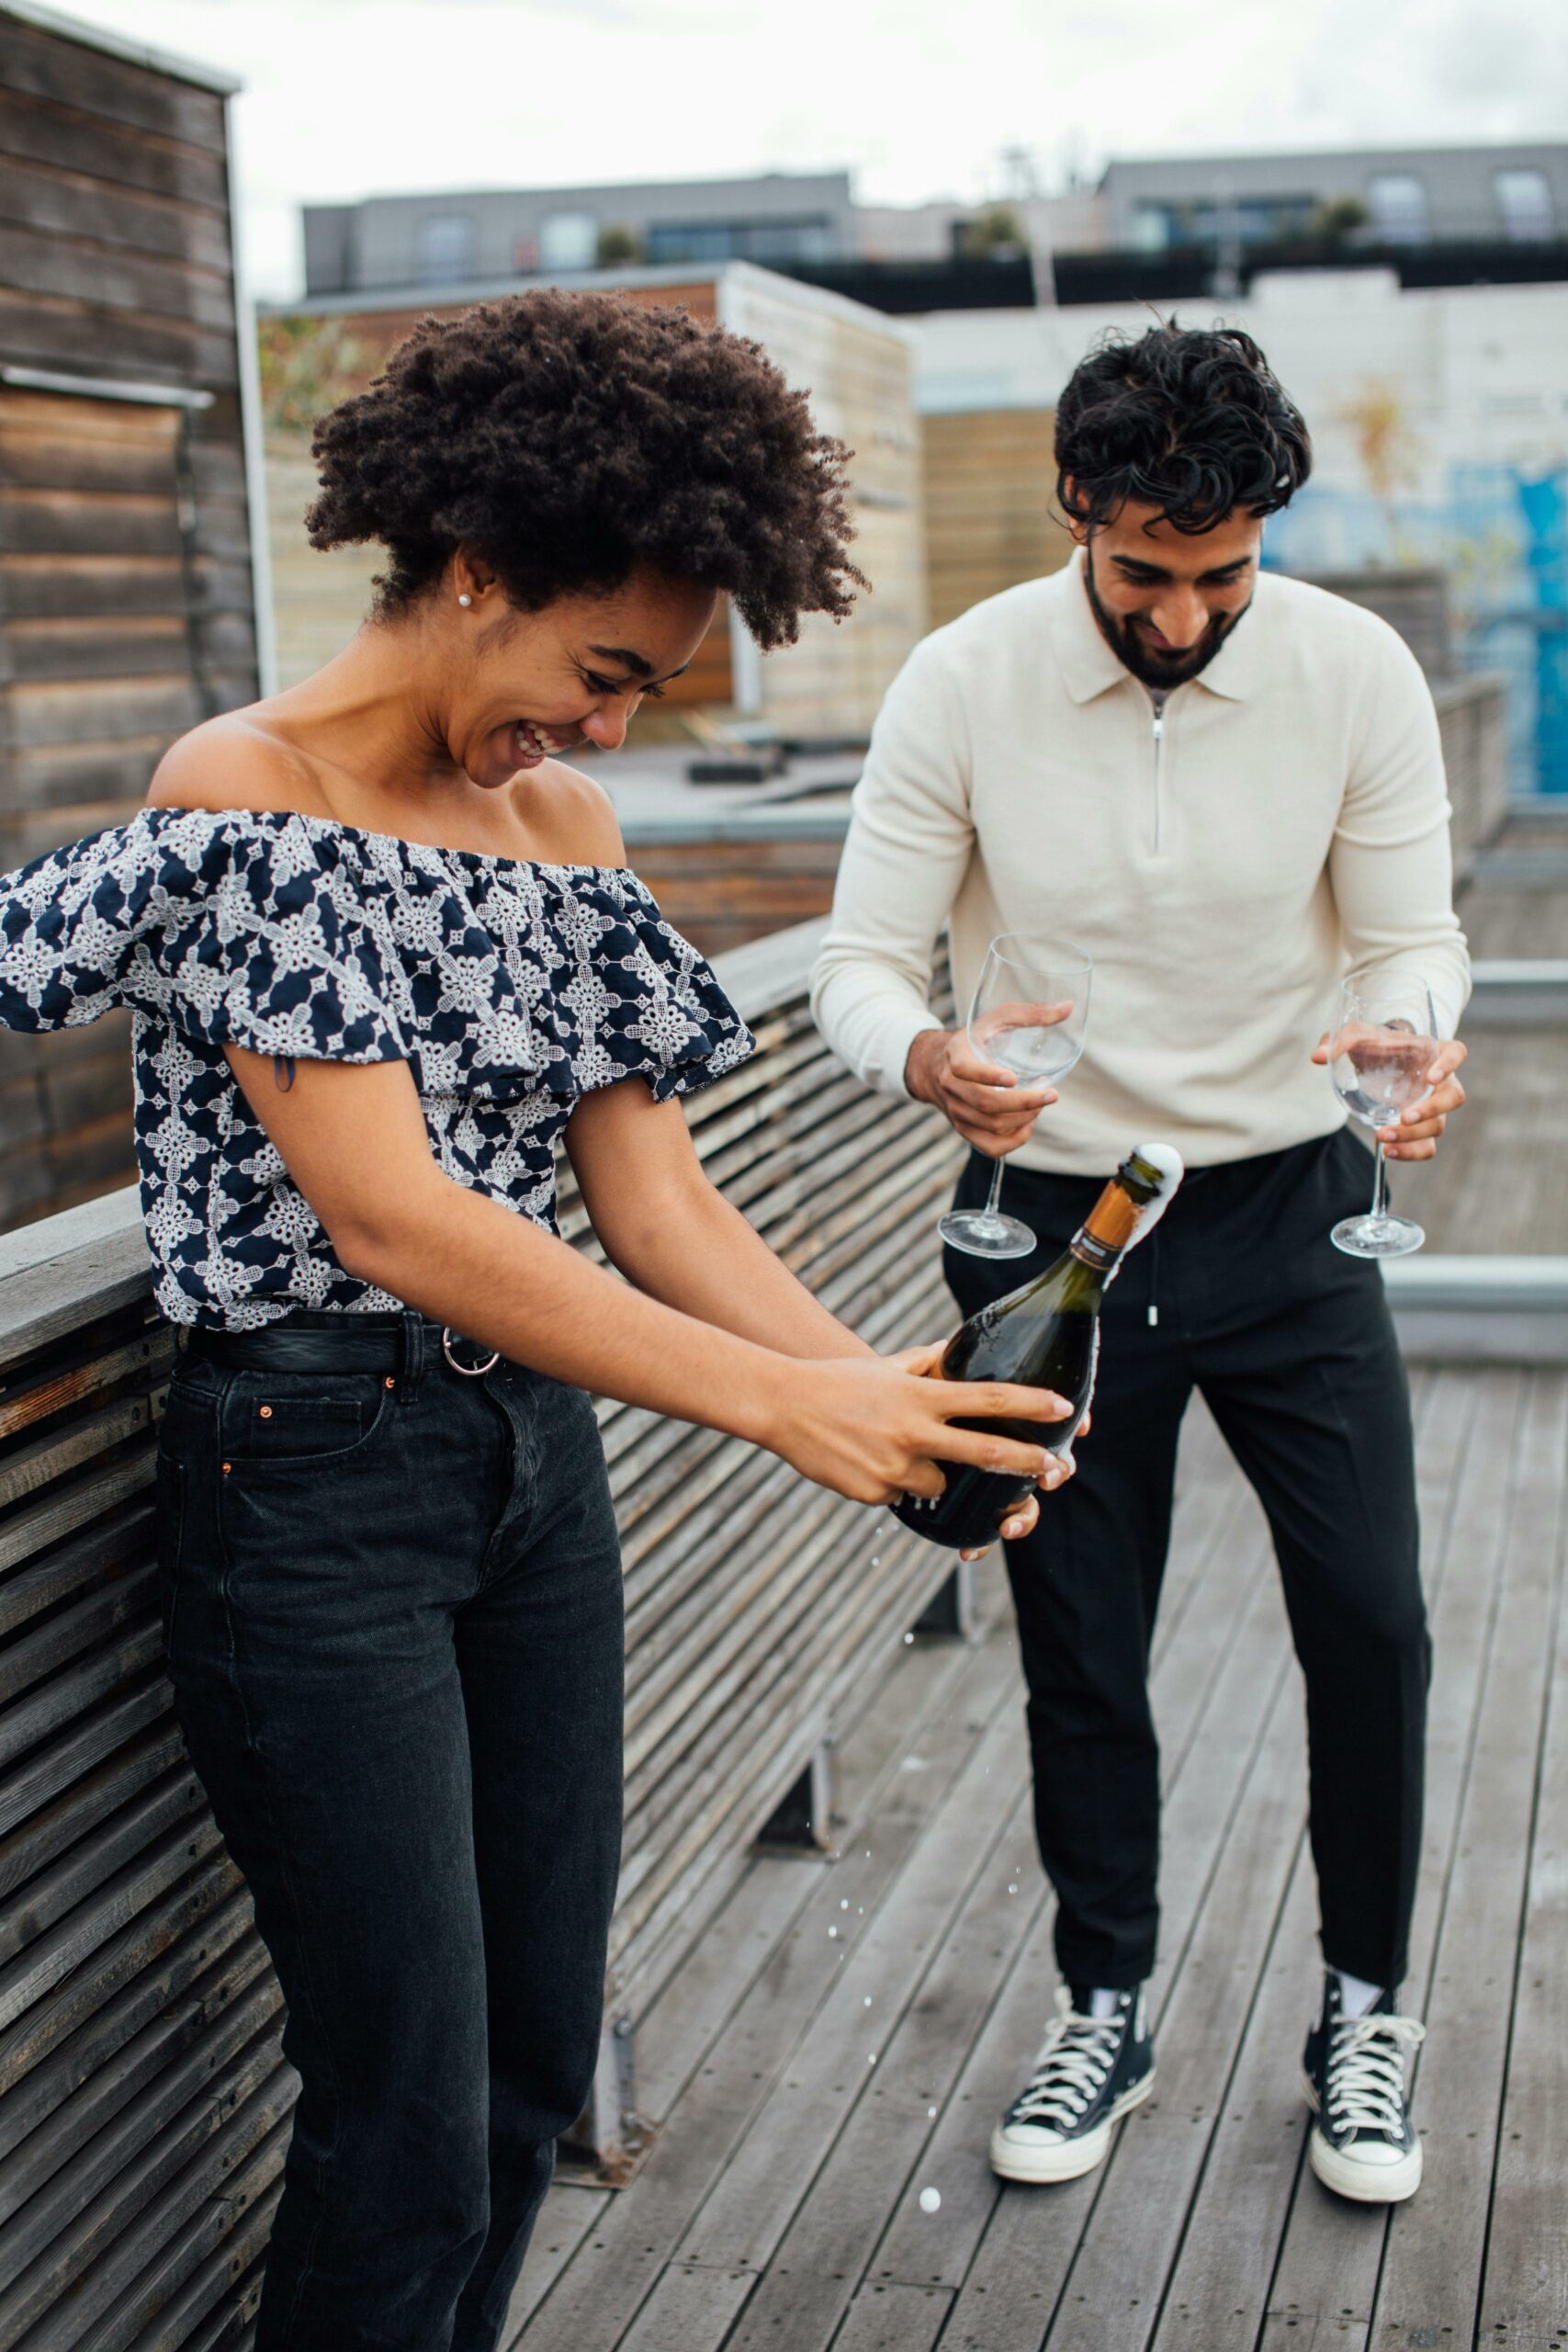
449	239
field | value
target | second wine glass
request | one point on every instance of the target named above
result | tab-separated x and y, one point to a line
1379	1059
1028	1011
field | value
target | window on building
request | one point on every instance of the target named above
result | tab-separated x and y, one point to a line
568	241
1524	199
805	239
443	247
1398	201
1252	220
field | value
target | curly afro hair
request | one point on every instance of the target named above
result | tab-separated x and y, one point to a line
1189	419
569	437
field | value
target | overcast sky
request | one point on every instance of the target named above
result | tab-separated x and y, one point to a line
917	98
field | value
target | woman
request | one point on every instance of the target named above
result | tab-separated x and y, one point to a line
383	951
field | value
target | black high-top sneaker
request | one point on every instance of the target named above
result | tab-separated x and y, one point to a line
1362	2143
1088	2072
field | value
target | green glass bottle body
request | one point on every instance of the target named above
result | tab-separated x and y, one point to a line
1043	1335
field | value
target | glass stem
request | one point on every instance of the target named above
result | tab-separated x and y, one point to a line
993	1197
1380	1188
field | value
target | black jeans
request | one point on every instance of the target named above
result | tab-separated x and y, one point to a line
1292	1347
395	1627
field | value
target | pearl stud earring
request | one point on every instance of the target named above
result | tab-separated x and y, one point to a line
465	600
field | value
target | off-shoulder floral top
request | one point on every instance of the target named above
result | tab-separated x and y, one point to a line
511	989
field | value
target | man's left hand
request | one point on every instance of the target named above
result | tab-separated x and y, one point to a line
1415	1134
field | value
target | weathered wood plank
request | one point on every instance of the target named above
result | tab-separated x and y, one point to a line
688	2013
569	2211
115	277
1219	2292
1329	2256
692	2304
65	73
606	2283
39	1841
1192	1645
1526	2285
743	2220
1029	2244
895	2319
63	203
61	138
56	331
876	2165
1438	2244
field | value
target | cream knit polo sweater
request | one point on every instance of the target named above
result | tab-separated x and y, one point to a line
1288	821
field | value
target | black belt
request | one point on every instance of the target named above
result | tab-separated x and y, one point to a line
384	1343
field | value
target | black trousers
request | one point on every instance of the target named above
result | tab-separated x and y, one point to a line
395	1629
1292	1347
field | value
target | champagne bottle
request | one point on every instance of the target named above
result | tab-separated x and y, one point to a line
1044	1335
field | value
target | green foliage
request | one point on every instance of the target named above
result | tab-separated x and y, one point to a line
995	229
617	246
307	367
1337	218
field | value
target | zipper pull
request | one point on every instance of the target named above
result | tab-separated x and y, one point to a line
1154	1315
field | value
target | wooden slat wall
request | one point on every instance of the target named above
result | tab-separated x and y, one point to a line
1473	723
125	587
143	2102
721	894
990	477
857	370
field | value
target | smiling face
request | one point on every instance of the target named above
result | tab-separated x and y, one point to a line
1166	600
517	688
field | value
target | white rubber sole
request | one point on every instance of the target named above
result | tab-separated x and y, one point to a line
1072	2158
1364	2184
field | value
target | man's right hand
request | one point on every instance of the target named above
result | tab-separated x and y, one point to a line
982	1101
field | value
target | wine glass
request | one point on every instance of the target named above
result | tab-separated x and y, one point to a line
1030	1007
1378	1058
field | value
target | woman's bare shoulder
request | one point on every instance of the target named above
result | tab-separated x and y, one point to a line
569	817
230	763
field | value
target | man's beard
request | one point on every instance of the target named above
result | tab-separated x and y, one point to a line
1148	666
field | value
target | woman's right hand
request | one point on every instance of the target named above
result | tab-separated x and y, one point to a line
877	1427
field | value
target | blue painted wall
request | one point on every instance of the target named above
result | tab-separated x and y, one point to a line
1501	532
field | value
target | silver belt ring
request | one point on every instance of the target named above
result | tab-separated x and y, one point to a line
469	1371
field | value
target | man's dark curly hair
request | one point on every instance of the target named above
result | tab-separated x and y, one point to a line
569	437
1189	419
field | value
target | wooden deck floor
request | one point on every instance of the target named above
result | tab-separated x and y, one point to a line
846	2032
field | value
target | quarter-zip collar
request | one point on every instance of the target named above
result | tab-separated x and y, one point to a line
1088	665
1158	698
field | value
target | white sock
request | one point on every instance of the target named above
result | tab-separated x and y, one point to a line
1102	2003
1357	1997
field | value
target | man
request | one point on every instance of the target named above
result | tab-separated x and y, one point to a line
1227	788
